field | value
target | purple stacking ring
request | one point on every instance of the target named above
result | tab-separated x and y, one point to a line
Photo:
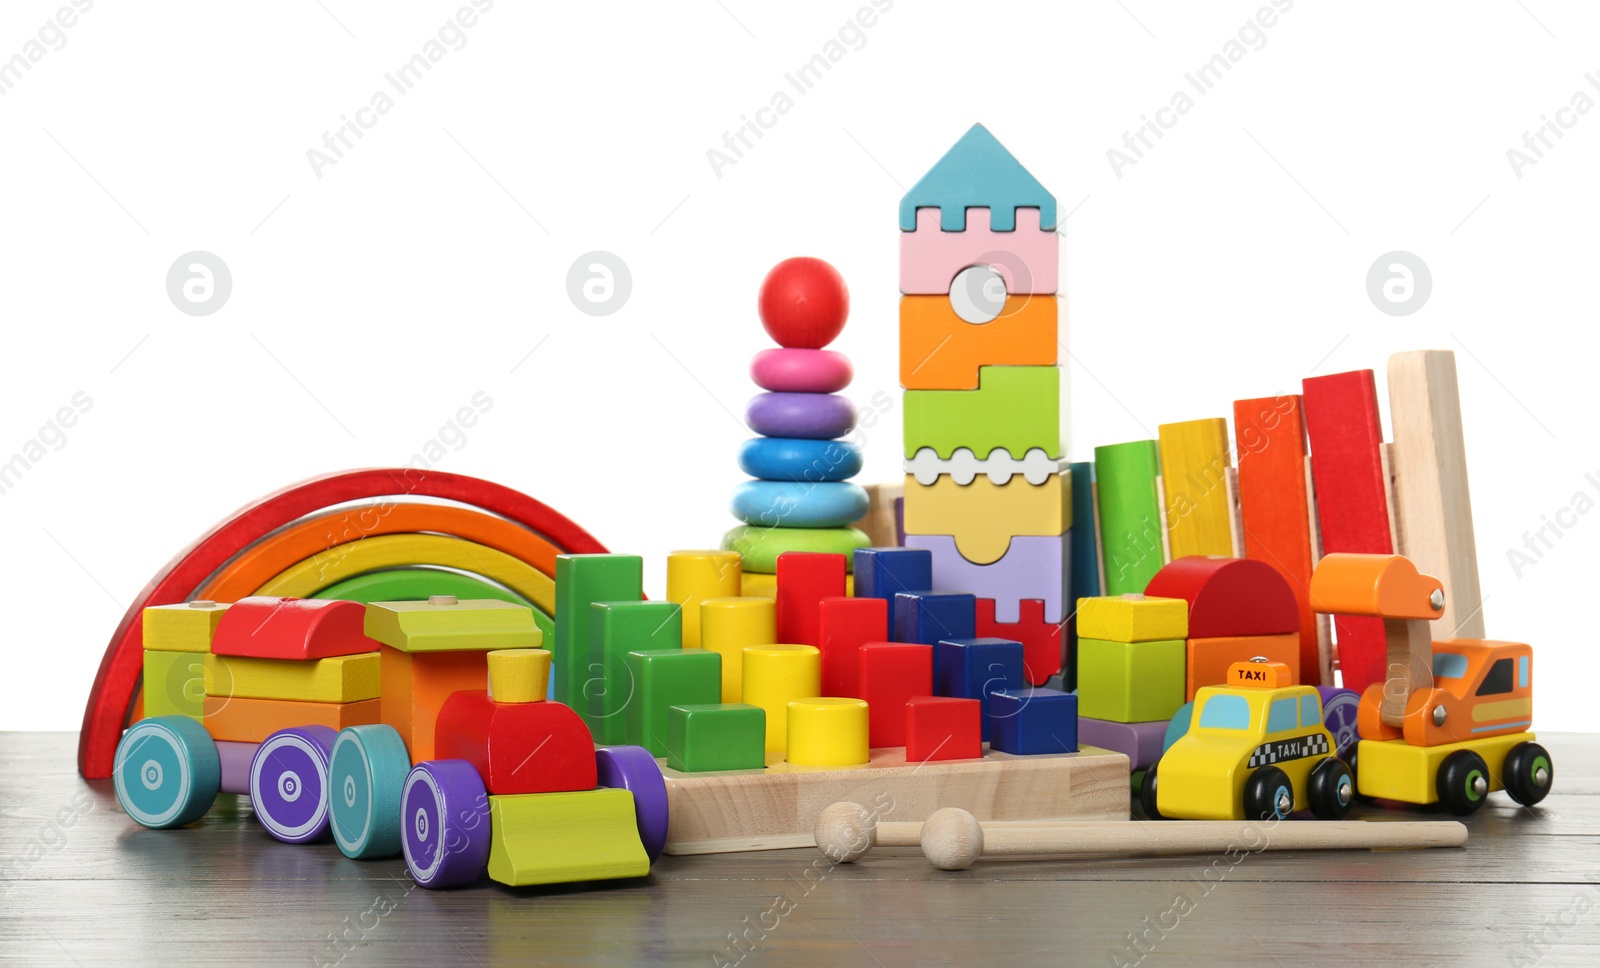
814	416
444	823
632	768
289	783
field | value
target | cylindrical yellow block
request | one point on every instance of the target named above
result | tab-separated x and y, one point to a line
827	732
753	585
519	675
730	625
775	676
693	577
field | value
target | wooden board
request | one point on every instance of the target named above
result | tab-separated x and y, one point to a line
1270	434
777	807
1429	462
1352	499
1194	470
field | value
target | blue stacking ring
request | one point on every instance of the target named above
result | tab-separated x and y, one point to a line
787	504
799	459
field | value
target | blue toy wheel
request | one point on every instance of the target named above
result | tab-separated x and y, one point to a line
367	770
167	772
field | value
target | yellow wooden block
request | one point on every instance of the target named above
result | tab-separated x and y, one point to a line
519	675
984	516
344	678
752	585
827	731
693	577
775	676
1194	475
445	623
728	626
185	627
558	838
1133	618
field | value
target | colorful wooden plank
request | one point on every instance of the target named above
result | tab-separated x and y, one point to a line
1130	515
1270	436
1347	469
1194	476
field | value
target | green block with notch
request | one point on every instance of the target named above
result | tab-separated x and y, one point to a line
705	737
1130	682
580	581
1015	408
661	679
616	629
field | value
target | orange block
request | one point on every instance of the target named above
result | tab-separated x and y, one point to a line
941	351
1207	661
253	720
415	686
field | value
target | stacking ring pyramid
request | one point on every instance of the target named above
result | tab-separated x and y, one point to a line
360	535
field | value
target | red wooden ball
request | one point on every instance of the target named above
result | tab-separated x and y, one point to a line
804	303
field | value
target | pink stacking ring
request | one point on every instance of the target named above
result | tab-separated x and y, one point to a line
801	371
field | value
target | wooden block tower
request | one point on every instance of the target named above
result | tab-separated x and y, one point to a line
985	490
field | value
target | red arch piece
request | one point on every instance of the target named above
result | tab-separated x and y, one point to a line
118	678
1228	596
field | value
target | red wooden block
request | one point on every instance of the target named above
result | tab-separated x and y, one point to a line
517	747
1270	434
268	627
1042	653
943	728
1352	500
804	579
1228	596
844	625
891	673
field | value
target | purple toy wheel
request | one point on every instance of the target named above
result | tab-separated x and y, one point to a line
289	783
632	768
444	824
1339	708
814	416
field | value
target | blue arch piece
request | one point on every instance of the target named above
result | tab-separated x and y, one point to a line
978	172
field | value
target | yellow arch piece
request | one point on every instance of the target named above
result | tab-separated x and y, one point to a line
313	574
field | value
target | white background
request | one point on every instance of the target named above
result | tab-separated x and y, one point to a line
371	303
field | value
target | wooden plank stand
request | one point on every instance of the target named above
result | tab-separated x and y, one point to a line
777	807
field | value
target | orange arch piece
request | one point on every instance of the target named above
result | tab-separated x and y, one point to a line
1385	586
275	554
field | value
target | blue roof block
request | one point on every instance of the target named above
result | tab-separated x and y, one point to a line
978	172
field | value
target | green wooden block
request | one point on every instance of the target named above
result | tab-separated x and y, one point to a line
1130	682
1130	516
705	737
558	838
580	581
616	629
1016	408
445	623
174	684
661	679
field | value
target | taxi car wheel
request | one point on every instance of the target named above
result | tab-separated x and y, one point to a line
1268	795
1332	789
1147	794
1463	782
1528	773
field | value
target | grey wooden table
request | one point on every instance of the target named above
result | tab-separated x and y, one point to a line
82	885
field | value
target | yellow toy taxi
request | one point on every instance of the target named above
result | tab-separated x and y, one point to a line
1256	749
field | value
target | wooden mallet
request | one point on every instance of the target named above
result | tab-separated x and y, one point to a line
953	838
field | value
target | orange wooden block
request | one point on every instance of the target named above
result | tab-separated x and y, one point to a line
415	687
253	720
941	351
1207	660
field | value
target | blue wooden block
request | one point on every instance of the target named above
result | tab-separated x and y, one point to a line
929	617
1084	580
885	572
975	668
978	172
1025	722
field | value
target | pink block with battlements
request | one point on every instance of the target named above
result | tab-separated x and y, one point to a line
1032	567
1027	259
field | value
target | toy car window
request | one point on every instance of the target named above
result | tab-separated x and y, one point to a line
1226	712
1283	715
1497	679
1449	665
1310	714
